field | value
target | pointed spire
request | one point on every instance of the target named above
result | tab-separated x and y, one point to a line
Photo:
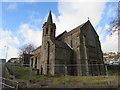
49	20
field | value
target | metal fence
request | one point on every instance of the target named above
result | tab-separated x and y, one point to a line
60	75
5	82
8	83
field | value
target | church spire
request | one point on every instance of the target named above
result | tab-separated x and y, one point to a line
49	20
49	27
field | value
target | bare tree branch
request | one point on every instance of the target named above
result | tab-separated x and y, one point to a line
26	49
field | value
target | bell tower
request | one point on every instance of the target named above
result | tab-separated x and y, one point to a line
49	28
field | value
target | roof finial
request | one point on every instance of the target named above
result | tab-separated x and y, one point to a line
88	18
50	18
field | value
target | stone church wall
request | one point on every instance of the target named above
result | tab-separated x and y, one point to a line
62	58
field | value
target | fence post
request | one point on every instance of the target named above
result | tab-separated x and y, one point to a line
65	66
30	72
65	70
14	71
107	74
17	85
106	70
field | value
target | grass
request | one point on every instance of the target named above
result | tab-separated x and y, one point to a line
23	75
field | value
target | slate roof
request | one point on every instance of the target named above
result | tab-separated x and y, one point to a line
61	44
75	29
65	33
58	44
36	48
49	20
61	35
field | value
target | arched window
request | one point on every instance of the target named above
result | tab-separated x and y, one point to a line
51	31
48	56
91	39
32	62
46	30
35	62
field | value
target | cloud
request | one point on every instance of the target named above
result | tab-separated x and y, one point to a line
12	6
12	52
111	43
107	27
112	11
7	37
60	0
0	15
15	40
30	0
30	35
25	34
99	29
8	40
35	18
73	14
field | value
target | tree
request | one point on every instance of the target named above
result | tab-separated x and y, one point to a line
26	49
115	23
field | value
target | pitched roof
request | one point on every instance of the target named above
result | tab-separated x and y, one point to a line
61	35
36	48
75	29
65	33
61	44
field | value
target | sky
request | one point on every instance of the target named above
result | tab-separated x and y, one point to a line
21	22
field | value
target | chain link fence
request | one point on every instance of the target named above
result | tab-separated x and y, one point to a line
61	76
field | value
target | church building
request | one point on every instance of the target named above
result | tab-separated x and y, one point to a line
77	52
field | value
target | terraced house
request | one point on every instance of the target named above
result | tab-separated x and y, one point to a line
76	52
